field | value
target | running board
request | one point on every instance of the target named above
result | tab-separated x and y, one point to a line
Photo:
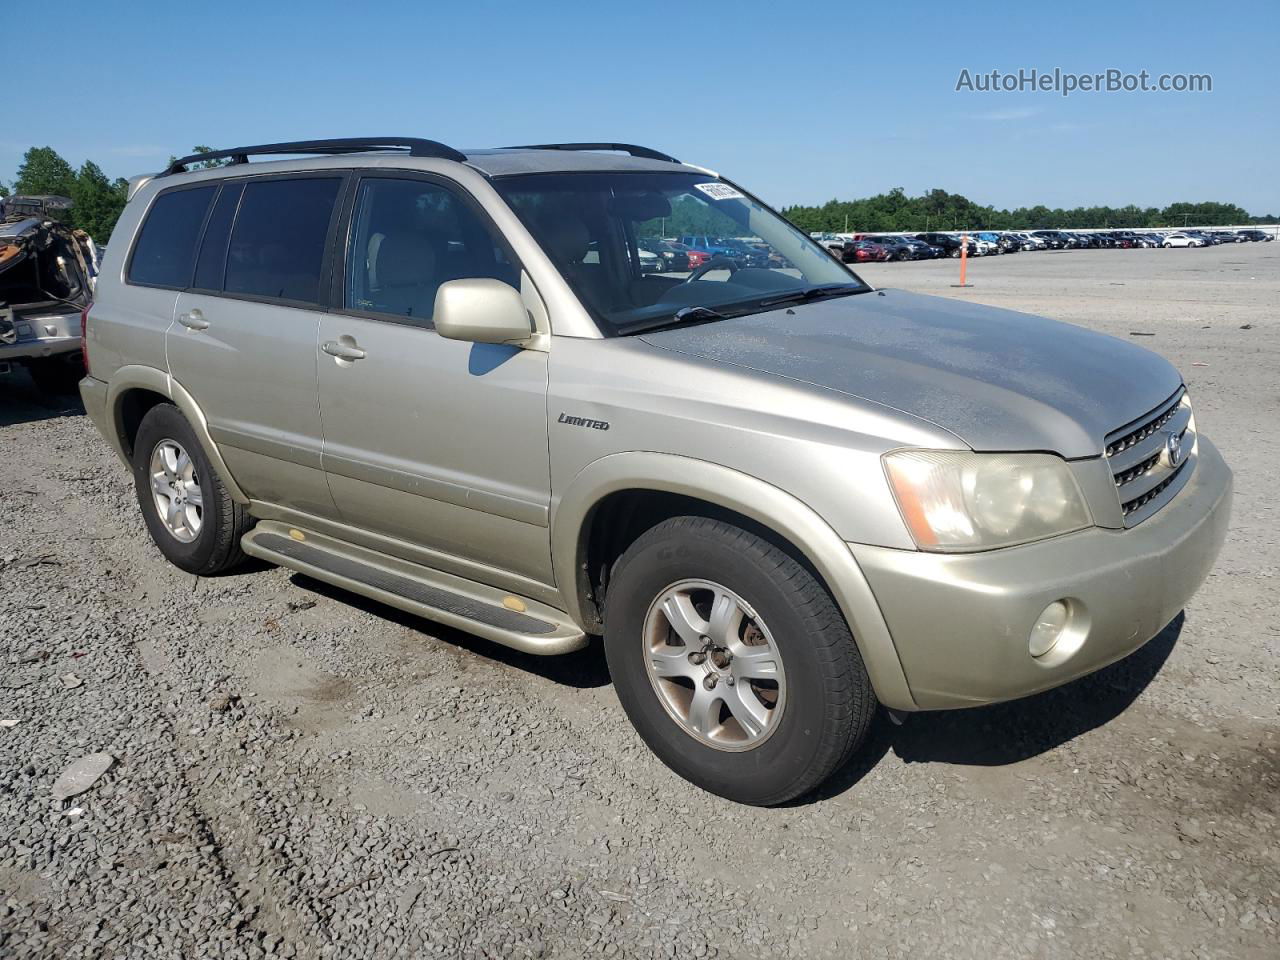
518	622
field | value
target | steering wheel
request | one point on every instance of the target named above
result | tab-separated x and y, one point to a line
715	263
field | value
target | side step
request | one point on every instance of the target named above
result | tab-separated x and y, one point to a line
518	622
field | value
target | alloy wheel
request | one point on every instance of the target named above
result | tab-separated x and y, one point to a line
175	487
714	665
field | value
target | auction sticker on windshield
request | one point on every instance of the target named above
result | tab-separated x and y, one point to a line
719	191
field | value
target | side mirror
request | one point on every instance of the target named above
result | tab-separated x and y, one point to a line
480	310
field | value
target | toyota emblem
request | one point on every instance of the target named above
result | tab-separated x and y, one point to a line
1173	448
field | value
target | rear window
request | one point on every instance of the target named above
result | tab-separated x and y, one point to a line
166	249
278	242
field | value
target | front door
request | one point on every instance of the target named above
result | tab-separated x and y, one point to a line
436	443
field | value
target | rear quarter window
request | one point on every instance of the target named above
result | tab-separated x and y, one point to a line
278	242
165	252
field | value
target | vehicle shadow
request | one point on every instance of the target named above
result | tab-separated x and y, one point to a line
22	402
995	735
1007	733
582	669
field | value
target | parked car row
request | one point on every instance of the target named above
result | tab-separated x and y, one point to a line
670	254
870	247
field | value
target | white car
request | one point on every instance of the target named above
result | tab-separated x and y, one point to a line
1182	240
650	262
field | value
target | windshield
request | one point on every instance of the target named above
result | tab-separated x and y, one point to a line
731	254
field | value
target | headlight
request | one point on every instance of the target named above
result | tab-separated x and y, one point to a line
954	501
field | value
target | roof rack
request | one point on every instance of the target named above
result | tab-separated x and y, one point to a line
416	147
630	148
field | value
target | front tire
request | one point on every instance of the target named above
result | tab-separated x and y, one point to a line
733	662
186	507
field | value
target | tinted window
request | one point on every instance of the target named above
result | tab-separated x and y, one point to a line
166	247
588	224
407	238
212	263
277	244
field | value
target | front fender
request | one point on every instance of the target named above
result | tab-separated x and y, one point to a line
767	505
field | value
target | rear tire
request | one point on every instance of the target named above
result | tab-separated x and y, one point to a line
798	727
200	533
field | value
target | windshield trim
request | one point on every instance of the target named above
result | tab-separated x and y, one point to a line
610	329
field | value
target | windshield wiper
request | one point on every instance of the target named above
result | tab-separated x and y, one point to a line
684	317
815	293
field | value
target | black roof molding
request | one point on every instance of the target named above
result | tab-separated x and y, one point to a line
416	147
631	148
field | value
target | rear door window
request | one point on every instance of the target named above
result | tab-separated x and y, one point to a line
278	241
212	262
166	249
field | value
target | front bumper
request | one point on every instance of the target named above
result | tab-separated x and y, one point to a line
960	623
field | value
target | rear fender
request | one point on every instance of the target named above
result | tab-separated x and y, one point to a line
137	377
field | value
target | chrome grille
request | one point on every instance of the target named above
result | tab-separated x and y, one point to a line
1138	453
1147	429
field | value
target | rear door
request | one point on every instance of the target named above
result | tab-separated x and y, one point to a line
244	344
433	442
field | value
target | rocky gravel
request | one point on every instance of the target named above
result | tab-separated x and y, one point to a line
295	772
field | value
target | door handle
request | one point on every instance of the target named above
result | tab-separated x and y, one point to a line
343	351
193	319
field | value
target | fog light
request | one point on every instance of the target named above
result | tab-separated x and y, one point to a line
1049	628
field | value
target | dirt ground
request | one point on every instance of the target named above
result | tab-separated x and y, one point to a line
299	772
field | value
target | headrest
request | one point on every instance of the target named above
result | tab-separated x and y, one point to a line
567	237
640	207
405	259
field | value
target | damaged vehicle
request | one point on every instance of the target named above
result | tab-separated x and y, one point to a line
47	273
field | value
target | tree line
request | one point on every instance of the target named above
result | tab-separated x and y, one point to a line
99	201
895	212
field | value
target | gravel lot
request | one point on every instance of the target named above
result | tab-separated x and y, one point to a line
300	773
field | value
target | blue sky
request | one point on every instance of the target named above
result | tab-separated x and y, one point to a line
799	101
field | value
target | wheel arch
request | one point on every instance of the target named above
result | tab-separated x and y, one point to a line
134	390
665	482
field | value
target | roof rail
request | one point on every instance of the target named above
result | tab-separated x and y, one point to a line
630	148
416	147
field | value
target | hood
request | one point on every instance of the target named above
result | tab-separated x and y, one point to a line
997	379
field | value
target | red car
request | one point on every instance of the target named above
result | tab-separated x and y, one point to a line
696	257
865	251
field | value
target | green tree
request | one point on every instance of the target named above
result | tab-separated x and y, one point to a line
98	201
202	164
1204	214
43	171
